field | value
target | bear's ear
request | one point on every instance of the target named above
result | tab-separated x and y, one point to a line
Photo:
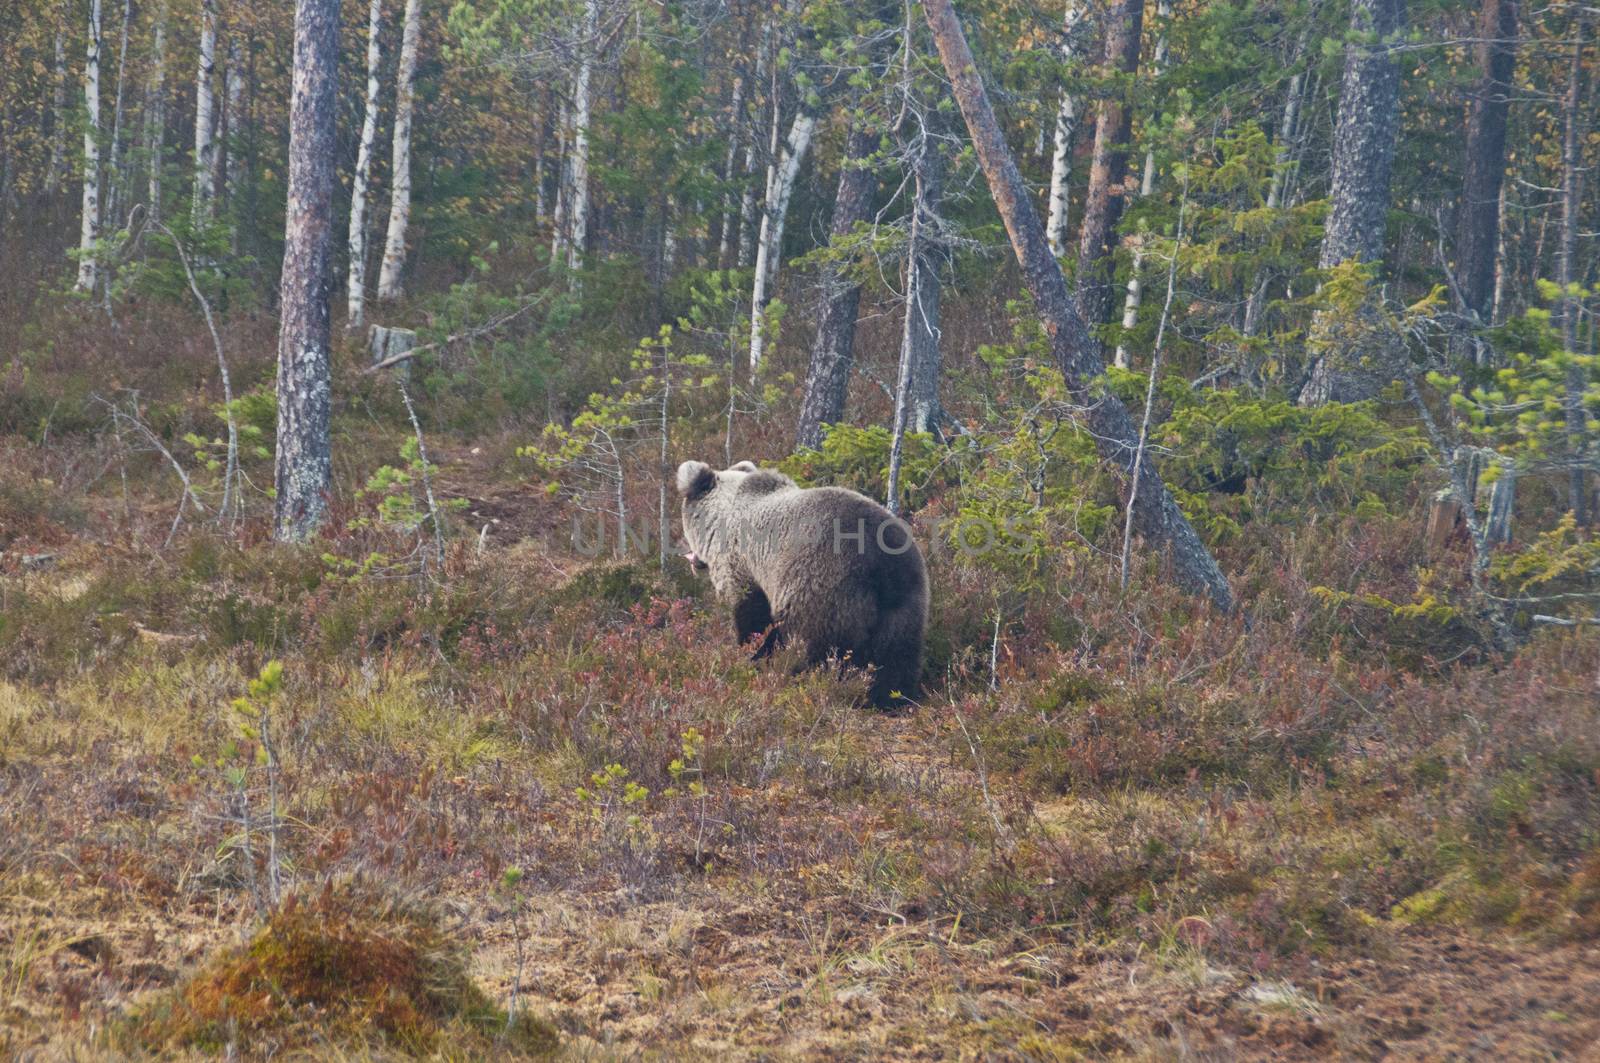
764	482
695	479
743	466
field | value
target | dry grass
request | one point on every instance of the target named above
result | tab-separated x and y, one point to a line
1162	834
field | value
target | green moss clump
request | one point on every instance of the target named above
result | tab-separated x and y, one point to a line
346	967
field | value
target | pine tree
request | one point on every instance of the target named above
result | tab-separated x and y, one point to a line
304	469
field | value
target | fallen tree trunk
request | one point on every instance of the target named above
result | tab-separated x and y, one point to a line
1078	355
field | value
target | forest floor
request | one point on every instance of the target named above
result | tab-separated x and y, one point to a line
801	908
728	968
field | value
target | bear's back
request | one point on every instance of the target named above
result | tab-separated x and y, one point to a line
849	535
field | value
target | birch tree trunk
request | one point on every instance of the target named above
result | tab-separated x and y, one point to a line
390	286
1363	156
832	351
1077	354
908	329
780	186
58	110
205	115
1484	160
1130	302
730	175
1066	126
1567	273
1108	172
155	115
228	127
356	289
89	234
558	227
578	209
115	182
924	333
303	469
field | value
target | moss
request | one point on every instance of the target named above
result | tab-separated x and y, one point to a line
347	966
1424	906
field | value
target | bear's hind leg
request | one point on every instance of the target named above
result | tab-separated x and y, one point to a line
896	654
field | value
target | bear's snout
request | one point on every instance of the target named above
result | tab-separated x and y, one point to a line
694	561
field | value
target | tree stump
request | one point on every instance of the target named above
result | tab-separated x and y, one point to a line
1444	515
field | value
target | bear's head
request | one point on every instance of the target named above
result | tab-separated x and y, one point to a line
714	503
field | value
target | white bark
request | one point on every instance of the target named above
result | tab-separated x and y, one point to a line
558	227
88	270
394	248
357	288
205	144
58	134
1130	304
908	342
780	186
1066	124
155	114
115	184
578	209
730	174
233	106
669	239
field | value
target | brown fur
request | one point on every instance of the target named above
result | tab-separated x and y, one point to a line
825	568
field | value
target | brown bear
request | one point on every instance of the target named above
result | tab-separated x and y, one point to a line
825	568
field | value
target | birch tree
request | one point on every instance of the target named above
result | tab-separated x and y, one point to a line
572	195
232	116
923	334
303	466
1066	127
89	231
1077	353
355	300
390	285
582	114
205	115
58	109
1363	157
780	187
155	114
910	324
115	180
1130	302
729	234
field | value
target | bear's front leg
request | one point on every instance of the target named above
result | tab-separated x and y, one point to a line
752	616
